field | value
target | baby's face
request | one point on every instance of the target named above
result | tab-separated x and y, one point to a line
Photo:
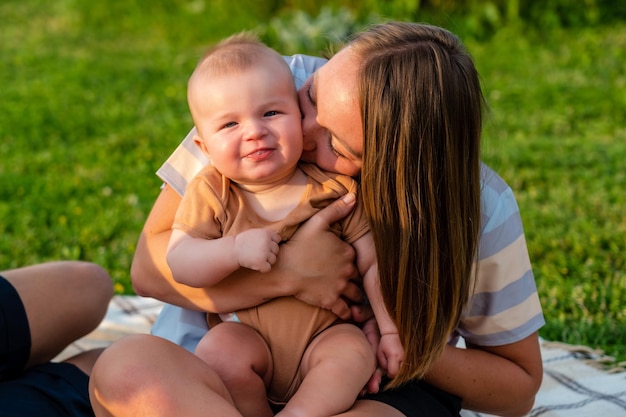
249	123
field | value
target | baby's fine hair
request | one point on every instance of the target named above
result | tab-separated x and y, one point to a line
235	53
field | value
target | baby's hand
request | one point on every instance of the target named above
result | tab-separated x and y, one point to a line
390	353
256	249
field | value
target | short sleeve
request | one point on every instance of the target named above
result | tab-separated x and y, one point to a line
201	211
505	306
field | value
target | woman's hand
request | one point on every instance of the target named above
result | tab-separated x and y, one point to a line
320	264
315	265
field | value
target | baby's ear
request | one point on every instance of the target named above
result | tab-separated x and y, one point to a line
200	144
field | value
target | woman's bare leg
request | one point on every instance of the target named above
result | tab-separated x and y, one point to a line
144	375
370	408
63	301
85	360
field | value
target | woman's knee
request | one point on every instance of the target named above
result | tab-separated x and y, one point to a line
128	365
131	374
121	364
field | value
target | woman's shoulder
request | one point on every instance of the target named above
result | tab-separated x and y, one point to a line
496	196
302	66
490	180
501	223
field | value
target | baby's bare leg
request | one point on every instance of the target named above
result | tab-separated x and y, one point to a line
242	359
336	367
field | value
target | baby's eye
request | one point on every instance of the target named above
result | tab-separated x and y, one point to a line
229	124
271	113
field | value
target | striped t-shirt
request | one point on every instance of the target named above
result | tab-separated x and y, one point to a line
505	305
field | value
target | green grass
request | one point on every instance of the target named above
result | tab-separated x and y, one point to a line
93	100
558	136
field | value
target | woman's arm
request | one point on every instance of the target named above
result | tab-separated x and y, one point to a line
314	265
150	275
501	380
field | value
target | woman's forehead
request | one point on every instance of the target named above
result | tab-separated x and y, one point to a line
336	92
340	68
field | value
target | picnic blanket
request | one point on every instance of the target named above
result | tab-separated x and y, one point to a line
576	381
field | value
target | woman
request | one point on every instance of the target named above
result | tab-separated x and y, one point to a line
401	105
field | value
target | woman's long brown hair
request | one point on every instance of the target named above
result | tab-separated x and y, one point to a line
421	106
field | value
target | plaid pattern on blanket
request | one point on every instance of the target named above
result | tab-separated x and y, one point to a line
573	383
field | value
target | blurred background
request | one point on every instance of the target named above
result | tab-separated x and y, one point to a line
93	100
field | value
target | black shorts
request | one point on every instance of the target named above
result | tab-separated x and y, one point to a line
419	399
14	332
50	389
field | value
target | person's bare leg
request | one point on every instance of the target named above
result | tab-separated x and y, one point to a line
336	367
243	361
369	408
145	375
85	360
63	300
